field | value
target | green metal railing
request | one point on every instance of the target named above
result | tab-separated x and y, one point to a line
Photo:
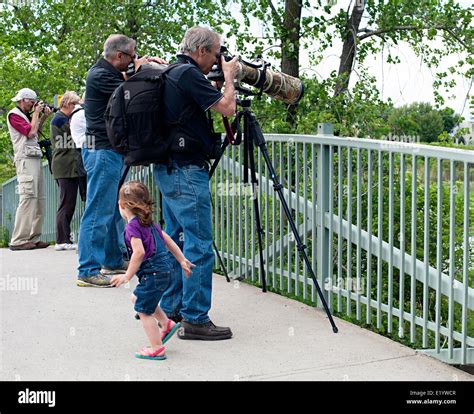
386	225
389	227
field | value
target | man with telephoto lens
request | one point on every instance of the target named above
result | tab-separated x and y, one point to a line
184	182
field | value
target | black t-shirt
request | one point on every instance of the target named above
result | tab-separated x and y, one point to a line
187	91
102	80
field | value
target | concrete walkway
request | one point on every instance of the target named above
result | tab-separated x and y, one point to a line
53	330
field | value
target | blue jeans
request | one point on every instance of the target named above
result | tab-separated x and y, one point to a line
154	275
102	227
187	214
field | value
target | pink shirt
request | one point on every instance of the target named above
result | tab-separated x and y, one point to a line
21	125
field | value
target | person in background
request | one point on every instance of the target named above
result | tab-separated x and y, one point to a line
77	123
24	131
65	168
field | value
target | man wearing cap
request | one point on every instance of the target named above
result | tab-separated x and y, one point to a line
24	131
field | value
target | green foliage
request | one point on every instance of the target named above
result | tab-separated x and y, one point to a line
7	169
56	43
4	237
362	113
450	119
49	46
421	121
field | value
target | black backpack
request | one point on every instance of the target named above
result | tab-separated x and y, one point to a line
134	117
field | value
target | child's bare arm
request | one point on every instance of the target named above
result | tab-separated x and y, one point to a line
135	262
186	265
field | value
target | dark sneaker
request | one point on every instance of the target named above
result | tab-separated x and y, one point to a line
24	246
98	281
121	270
41	245
205	331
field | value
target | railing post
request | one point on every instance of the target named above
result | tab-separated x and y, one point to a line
322	240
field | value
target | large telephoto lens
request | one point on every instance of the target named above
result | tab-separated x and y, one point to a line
277	85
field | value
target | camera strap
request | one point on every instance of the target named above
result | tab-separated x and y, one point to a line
262	80
230	130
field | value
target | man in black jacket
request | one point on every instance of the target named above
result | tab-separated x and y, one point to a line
102	226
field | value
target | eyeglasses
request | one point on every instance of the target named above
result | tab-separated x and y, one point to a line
134	56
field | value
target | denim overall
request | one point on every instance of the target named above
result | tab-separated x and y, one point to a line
154	276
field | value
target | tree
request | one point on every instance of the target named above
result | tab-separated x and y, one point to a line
49	46
418	121
295	25
450	119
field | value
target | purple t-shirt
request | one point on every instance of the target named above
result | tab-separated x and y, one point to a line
135	229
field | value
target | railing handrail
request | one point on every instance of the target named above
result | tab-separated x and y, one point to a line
230	164
314	201
423	150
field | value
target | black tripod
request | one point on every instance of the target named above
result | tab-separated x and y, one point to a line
252	135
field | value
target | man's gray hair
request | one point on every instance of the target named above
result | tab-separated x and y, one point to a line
117	43
197	37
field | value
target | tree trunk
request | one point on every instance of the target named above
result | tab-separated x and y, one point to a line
290	51
349	48
290	39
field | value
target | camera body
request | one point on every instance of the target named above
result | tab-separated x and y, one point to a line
216	74
46	105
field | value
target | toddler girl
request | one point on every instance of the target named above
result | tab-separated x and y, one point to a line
150	260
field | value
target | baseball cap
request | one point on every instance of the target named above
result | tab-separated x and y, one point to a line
25	93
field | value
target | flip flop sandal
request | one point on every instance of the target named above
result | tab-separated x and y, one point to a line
147	353
170	331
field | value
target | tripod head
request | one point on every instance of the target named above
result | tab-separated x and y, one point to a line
245	103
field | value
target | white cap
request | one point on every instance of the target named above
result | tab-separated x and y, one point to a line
25	93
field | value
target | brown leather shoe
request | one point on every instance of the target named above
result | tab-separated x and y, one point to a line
24	246
41	245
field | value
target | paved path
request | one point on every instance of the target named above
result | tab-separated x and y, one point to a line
53	330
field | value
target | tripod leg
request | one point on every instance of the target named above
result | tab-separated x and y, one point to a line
219	258
211	173
216	161
260	140
248	137
124	176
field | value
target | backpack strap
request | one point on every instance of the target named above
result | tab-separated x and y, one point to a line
153	78
75	112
